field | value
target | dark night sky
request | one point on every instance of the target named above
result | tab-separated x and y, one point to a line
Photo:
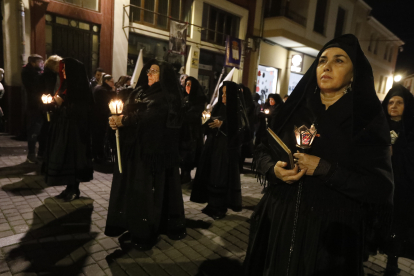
398	17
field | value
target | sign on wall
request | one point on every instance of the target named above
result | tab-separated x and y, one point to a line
178	37
233	52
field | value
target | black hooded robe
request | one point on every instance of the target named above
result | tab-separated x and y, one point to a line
68	154
265	120
191	134
217	180
329	237
403	166
146	199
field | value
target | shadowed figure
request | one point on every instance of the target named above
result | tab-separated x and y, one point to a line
47	249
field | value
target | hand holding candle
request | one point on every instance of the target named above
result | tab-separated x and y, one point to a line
116	107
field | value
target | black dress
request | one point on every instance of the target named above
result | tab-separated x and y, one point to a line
320	229
68	155
217	180
146	199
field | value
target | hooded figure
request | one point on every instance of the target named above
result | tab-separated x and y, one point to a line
247	147
270	108
191	136
315	224
68	155
399	107
146	199
217	180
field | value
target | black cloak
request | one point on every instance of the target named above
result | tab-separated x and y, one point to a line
265	120
68	158
191	136
354	139
249	107
402	159
217	179
146	199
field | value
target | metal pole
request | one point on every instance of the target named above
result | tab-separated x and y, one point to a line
22	32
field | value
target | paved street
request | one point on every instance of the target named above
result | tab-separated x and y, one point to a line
40	235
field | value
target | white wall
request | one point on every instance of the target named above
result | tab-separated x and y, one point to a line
120	48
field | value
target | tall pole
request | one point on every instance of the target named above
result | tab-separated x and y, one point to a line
22	32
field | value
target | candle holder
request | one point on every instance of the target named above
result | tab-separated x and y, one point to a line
116	106
47	99
304	137
205	117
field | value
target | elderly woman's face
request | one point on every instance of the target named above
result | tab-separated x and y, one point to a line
153	74
188	87
272	101
335	70
224	97
396	107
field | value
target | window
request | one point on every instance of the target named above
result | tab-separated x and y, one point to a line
155	13
320	16
340	22
295	10
376	46
380	84
217	24
87	4
387	48
371	43
390	54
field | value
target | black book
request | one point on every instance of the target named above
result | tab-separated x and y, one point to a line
279	150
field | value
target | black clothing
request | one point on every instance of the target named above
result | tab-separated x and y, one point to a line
68	158
402	164
265	120
217	179
146	199
330	209
93	83
102	95
249	106
31	83
191	134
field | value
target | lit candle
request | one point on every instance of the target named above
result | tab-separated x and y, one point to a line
266	111
116	107
47	99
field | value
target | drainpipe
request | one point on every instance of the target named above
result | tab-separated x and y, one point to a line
22	32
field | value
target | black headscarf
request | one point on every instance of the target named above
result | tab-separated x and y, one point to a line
408	114
277	99
76	83
196	93
367	116
169	84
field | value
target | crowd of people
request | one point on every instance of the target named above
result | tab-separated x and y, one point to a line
321	217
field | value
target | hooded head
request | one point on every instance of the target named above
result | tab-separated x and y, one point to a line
74	80
196	92
408	101
275	98
367	114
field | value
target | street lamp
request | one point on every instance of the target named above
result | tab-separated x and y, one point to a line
397	78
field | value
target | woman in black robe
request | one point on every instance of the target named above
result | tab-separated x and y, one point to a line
315	224
68	154
270	108
191	136
217	180
146	199
399	107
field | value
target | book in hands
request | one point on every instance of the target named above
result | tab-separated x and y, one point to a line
279	150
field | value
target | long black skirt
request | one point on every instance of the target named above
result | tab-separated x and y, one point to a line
144	202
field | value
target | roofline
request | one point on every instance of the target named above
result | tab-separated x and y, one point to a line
385	30
364	4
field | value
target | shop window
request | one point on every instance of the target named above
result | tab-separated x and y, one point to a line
155	13
266	82
217	24
152	48
293	81
340	22
87	4
320	16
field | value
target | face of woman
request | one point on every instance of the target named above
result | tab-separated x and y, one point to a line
64	72
224	97
153	74
110	82
396	108
188	87
335	70
272	101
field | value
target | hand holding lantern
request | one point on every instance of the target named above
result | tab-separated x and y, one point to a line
304	140
116	107
205	116
47	99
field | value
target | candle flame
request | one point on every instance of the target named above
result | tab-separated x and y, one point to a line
116	107
47	99
266	111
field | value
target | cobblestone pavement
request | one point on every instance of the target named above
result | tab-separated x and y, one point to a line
40	235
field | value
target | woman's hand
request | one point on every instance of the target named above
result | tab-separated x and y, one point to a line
58	100
215	124
288	176
115	121
307	161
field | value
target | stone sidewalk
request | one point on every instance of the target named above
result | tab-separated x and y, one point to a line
40	235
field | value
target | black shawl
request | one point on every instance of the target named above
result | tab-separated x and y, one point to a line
196	95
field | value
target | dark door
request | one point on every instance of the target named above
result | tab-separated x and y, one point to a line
206	79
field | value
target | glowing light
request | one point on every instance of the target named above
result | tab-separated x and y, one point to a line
47	99
116	107
397	78
266	111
